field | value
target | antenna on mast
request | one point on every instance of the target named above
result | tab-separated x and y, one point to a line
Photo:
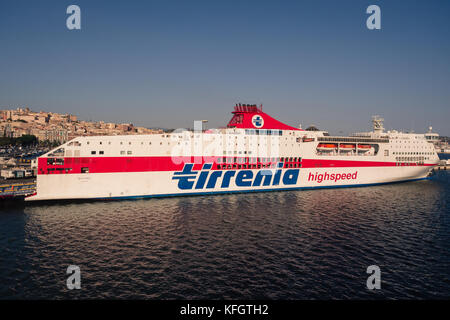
377	123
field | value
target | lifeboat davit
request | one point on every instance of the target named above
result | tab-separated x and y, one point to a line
326	146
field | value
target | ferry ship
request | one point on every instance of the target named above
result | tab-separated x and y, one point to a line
255	152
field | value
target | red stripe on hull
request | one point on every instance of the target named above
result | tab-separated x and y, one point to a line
145	164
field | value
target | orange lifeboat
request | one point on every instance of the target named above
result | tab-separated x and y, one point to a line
346	147
326	146
364	146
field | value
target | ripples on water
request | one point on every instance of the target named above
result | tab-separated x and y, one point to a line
279	245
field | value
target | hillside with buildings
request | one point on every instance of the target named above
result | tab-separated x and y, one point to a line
55	127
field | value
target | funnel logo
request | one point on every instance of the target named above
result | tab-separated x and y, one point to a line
257	121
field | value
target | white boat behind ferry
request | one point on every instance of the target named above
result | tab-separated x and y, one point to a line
254	153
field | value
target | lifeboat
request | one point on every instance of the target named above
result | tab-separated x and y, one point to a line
346	147
364	147
326	146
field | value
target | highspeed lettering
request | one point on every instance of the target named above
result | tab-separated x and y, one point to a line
319	177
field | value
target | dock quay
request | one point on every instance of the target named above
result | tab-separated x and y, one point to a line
18	190
443	165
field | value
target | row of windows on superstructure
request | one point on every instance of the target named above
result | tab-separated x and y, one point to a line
264	132
355	140
129	152
257	166
258	163
399	164
412	153
247	131
101	152
410	159
109	143
237	152
258	160
273	132
122	152
411	141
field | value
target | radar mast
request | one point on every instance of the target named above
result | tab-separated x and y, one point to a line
377	123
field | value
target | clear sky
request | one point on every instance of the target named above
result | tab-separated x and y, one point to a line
166	63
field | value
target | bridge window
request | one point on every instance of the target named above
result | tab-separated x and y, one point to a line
58	152
74	143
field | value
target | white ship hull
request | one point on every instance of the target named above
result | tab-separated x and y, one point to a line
255	153
160	184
